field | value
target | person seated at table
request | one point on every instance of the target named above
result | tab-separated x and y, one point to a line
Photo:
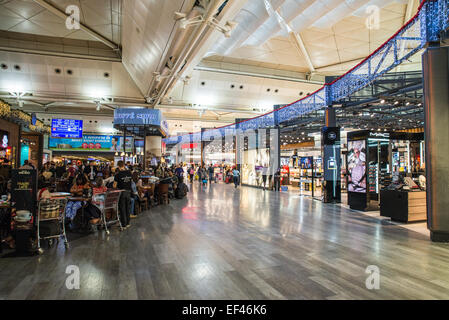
77	190
44	190
99	186
98	198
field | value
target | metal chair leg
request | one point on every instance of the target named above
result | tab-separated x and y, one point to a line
103	216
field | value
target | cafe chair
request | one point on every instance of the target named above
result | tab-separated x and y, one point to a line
150	194
110	205
143	204
163	193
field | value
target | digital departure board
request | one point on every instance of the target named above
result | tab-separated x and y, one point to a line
67	128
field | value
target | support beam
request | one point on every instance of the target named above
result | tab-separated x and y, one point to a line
205	108
44	4
256	75
296	39
60	54
207	37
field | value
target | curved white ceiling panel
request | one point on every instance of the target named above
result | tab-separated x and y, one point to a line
249	19
262	20
147	26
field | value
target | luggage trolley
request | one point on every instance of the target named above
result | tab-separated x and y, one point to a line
109	201
51	220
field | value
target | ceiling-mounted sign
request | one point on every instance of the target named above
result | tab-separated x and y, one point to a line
67	128
132	116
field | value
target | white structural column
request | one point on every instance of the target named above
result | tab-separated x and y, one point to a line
153	146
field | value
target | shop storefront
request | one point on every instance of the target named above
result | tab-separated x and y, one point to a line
9	143
377	159
21	137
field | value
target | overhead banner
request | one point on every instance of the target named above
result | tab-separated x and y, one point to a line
102	143
137	117
140	117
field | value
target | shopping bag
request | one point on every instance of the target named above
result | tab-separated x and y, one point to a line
196	177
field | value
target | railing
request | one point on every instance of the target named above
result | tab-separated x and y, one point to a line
431	19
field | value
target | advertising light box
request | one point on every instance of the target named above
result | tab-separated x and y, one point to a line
95	143
67	128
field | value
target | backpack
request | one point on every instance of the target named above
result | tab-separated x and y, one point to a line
181	191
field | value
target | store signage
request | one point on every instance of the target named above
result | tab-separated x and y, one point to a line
33	119
133	116
92	143
164	126
189	146
67	128
379	134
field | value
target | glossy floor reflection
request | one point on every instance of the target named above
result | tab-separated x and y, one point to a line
222	243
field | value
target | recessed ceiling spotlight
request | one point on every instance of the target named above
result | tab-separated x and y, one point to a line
396	102
382	101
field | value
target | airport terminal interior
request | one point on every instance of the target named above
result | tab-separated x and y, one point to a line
224	149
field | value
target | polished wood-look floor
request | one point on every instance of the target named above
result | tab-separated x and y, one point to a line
245	243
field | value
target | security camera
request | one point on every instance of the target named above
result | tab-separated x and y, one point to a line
231	25
148	100
179	16
183	23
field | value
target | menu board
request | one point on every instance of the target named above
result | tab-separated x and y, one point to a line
67	128
24	189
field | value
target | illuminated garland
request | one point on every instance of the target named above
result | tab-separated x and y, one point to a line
23	118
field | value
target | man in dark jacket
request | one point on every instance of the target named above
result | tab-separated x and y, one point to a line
122	181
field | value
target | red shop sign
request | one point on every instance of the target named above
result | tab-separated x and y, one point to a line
189	146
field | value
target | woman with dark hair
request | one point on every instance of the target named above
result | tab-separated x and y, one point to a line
77	189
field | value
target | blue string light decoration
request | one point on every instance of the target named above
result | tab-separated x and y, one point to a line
426	26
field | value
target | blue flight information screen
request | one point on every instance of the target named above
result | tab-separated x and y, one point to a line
66	128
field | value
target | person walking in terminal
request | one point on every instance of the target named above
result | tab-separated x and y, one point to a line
211	173
191	173
264	177
122	181
277	180
236	177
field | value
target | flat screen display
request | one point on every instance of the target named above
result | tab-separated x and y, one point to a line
306	162
67	128
357	166
139	143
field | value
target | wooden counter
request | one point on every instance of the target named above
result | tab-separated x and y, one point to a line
403	206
